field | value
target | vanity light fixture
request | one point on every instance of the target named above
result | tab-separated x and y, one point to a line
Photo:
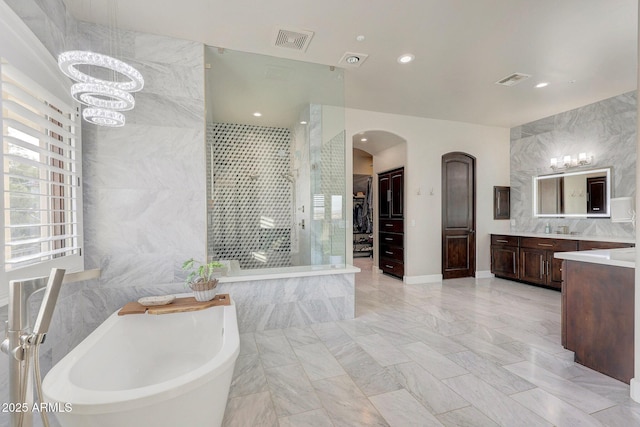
406	58
567	161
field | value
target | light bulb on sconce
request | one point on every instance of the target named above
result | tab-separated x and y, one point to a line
567	161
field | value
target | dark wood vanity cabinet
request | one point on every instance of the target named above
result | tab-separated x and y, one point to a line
504	256
391	222
531	259
537	264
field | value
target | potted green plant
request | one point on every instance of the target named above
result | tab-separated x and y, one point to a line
202	278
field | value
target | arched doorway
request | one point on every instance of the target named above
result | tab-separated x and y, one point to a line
388	152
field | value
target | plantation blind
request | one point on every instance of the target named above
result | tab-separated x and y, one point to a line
40	168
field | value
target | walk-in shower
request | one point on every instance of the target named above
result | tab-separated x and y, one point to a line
276	180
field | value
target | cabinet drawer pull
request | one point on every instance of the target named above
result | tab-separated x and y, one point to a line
545	244
389	266
388	225
502	241
388	252
388	238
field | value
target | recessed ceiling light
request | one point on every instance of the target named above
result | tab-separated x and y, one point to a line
542	84
303	122
360	38
257	114
363	139
406	58
352	59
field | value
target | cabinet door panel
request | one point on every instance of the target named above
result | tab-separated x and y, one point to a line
384	193
533	265
504	261
397	194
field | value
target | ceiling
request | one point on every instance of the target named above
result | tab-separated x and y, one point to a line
585	49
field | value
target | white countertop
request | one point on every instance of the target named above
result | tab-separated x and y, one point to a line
572	237
625	257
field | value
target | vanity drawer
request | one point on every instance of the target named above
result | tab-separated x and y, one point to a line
498	239
391	225
392	239
557	245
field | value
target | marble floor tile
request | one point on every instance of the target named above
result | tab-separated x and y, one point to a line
619	416
384	352
248	343
315	418
435	341
495	405
466	417
331	334
252	410
545	343
490	372
435	363
486	349
474	352
317	362
345	403
563	367
370	377
400	409
274	349
427	389
566	390
556	411
291	391
248	376
300	336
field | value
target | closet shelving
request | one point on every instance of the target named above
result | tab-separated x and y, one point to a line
362	240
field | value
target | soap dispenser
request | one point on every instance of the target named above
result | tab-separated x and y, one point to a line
547	229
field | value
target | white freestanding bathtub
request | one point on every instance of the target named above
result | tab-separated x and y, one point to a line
149	370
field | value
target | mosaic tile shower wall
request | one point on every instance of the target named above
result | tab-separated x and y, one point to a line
250	195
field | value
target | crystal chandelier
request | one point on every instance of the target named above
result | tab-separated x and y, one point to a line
103	97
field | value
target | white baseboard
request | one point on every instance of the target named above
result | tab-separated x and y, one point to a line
485	274
416	280
635	389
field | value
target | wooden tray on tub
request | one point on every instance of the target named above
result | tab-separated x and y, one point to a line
177	306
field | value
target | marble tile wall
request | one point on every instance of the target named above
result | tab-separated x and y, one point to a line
144	184
292	302
607	129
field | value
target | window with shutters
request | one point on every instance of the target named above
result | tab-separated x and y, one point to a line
41	175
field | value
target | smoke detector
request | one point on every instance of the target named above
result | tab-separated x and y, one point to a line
513	79
352	59
292	39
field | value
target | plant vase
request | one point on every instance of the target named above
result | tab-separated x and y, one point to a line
204	290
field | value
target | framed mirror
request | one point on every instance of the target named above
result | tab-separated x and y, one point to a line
583	194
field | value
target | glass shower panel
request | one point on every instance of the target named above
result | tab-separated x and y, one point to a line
276	180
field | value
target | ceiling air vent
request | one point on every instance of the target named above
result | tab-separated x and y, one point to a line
513	79
292	39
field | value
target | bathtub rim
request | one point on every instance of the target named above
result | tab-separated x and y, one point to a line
57	386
